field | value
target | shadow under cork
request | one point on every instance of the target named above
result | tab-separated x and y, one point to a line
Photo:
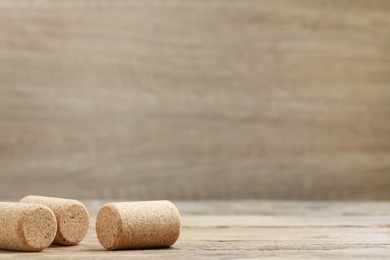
154	249
8	252
60	246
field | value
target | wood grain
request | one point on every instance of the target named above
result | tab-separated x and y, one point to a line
204	236
195	99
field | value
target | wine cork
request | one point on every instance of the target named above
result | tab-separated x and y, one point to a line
26	227
132	225
72	218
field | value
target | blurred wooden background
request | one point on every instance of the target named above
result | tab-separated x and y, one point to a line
195	99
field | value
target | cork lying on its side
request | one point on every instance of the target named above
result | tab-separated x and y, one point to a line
72	218
131	225
26	227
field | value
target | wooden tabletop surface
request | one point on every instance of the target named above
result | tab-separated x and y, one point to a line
254	229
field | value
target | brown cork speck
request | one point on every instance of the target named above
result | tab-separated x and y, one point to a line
72	218
26	227
132	225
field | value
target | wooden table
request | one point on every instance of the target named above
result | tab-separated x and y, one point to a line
254	229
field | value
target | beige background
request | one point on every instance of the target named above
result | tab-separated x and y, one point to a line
195	99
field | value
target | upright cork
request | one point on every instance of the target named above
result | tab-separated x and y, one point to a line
132	225
72	218
26	227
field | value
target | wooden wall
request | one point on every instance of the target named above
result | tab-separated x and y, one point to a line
197	99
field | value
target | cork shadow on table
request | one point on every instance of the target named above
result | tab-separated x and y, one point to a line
170	248
52	246
83	251
10	252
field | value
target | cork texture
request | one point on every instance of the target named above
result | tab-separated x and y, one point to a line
133	225
71	215
26	227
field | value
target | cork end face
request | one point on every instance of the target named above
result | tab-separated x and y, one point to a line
108	227
37	229
72	224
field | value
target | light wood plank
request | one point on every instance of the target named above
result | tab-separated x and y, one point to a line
195	99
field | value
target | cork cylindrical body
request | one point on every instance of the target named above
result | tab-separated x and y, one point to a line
72	218
26	227
132	225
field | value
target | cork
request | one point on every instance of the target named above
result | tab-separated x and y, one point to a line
133	225
26	227
72	218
